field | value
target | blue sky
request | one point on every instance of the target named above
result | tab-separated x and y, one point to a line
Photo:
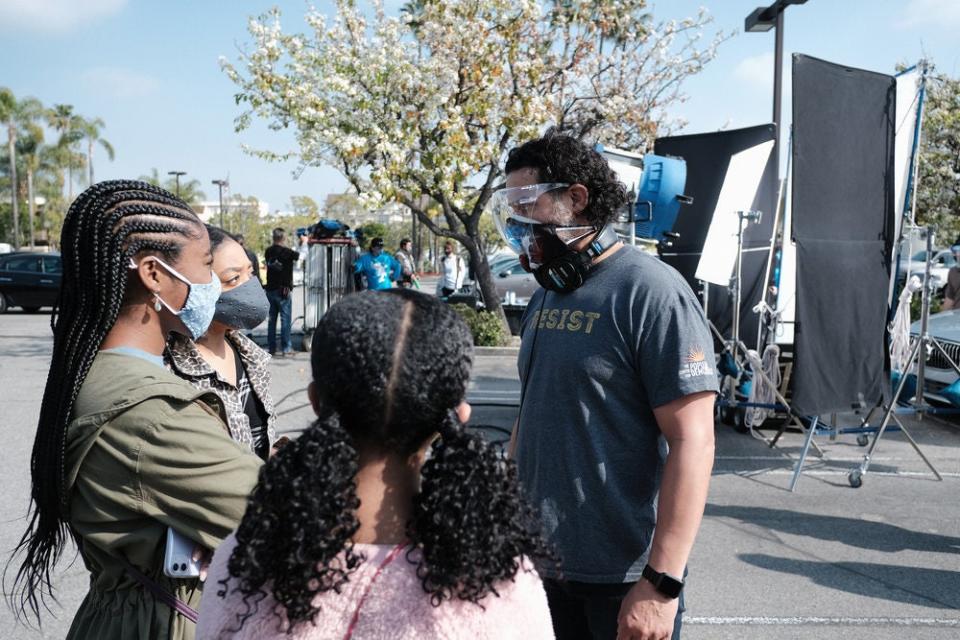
150	70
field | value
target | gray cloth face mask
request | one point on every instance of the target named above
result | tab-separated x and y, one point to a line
243	307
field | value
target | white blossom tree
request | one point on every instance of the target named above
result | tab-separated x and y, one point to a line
423	106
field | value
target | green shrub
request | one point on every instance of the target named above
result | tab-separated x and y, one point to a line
486	327
915	305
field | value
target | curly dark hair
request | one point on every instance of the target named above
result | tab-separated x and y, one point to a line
562	158
390	367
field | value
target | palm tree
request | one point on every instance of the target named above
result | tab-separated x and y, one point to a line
17	115
29	147
8	110
90	130
190	191
412	13
70	127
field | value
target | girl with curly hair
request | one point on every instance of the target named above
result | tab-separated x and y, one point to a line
356	531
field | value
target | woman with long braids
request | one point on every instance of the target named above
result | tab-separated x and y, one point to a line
124	449
350	533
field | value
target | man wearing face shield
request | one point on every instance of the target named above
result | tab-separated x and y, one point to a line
614	439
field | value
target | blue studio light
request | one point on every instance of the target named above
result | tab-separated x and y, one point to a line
658	204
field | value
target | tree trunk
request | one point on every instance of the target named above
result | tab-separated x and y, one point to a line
30	204
488	289
90	161
11	144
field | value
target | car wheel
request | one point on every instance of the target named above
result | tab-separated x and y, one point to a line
3	303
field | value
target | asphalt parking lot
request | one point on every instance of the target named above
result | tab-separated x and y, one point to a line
826	561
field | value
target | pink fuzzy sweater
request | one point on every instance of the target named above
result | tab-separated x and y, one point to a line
396	607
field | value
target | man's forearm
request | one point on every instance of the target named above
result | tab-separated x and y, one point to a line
683	495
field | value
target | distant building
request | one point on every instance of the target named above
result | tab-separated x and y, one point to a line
209	211
346	208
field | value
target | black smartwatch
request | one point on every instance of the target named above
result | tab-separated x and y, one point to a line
663	582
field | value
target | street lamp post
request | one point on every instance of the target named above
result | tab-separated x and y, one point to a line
220	185
760	21
176	176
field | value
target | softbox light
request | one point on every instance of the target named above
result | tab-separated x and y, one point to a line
708	158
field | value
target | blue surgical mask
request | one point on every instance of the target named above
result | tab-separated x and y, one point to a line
201	303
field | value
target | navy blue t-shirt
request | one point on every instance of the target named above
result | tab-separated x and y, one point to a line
595	363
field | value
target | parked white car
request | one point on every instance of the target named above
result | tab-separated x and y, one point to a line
510	276
942	262
938	374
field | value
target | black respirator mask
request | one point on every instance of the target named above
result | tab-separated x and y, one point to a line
564	269
540	228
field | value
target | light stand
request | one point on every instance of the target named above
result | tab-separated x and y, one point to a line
736	283
736	292
736	347
925	344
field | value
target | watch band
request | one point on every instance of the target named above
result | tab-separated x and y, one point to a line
663	582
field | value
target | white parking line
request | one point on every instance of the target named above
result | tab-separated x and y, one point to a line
817	620
832	458
492	392
837	472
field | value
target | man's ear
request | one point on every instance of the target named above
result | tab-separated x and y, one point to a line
314	397
579	198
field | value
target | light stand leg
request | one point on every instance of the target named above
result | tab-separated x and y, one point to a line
916	448
862	438
727	391
786	405
803	454
794	419
856	476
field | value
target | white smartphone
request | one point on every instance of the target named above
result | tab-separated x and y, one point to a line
178	559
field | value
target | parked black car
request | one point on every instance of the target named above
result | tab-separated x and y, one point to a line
29	280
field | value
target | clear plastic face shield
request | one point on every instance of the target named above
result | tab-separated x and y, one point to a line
534	222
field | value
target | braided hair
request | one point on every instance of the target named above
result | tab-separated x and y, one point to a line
389	367
106	226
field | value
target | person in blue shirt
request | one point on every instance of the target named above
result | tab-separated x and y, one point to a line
380	270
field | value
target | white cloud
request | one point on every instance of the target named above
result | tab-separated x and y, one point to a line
756	71
54	16
943	14
119	83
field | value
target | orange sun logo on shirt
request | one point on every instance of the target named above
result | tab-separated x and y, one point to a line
696	354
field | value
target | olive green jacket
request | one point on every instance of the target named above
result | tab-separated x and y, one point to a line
145	450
